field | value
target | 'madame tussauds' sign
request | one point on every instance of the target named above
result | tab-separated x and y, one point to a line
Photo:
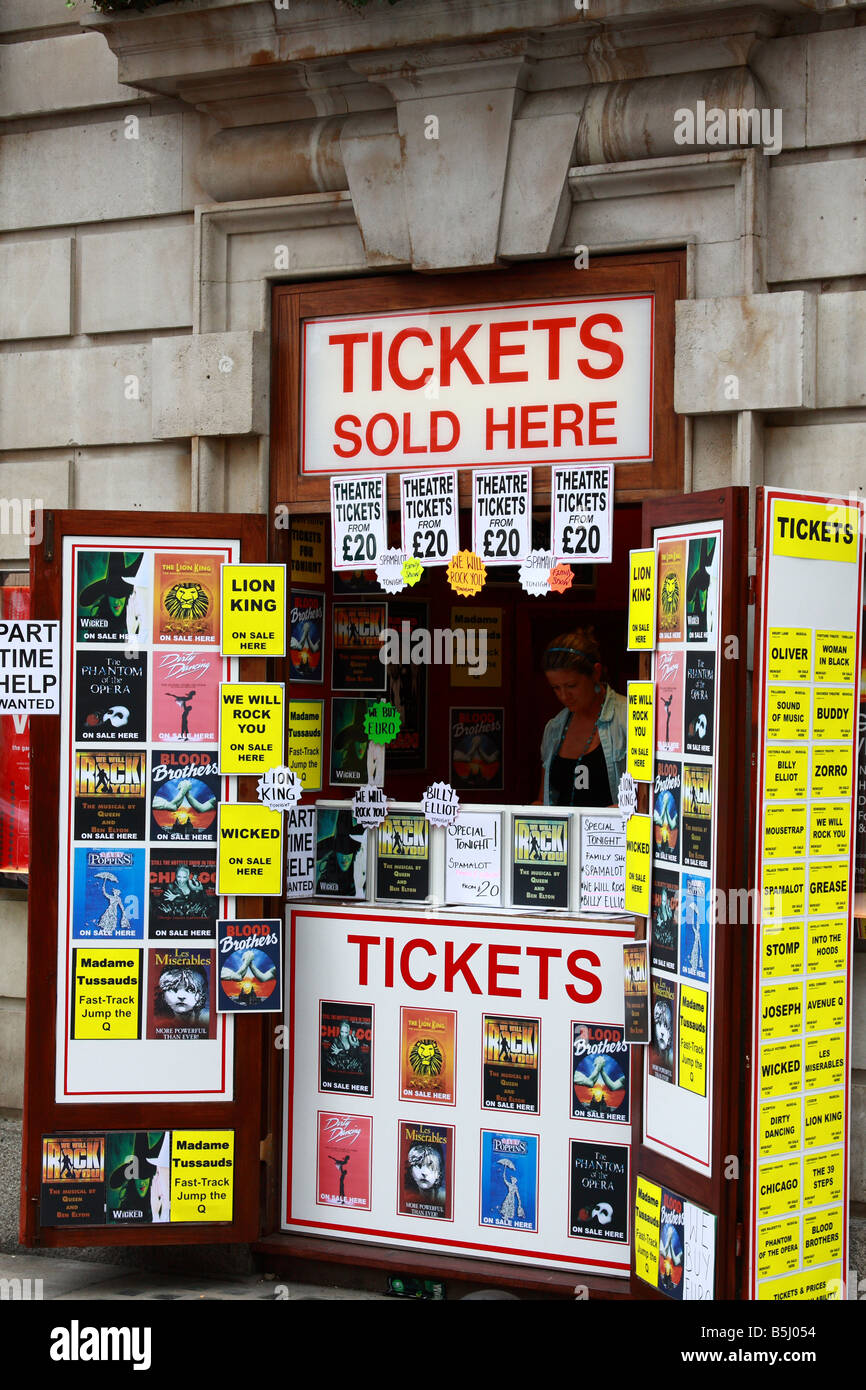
566	381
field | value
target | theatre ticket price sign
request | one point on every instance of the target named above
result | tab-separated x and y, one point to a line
582	500
502	515
811	590
359	521
429	516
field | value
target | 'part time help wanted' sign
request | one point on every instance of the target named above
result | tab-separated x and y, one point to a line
29	667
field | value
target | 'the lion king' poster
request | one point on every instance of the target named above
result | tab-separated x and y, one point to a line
186	599
428	1040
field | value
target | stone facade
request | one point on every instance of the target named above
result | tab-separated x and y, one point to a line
160	170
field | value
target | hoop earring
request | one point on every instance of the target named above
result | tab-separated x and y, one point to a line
598	689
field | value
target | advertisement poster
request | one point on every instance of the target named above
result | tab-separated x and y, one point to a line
14	760
509	1181
341	855
73	1180
502	514
669	701
582	514
110	795
307	637
407	692
667	790
600	1077
636	988
358	630
110	697
359	521
481	629
186	697
306	736
473	858
184	795
702	588
671	1244
344	1160
663	1042
602	864
697	812
428	1062
349	742
509	1071
425	1166
403	857
539	862
476	749
300	829
665	918
138	1188
346	1047
695	927
111	604
250	956
181	999
183	901
700	702
253	610
598	1209
108	894
671	572
307	543
186	600
429	515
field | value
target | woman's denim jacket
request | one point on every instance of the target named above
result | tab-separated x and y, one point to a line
612	734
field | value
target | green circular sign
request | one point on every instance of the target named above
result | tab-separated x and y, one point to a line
382	722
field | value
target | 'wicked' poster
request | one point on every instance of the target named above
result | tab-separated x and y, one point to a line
111	602
702	588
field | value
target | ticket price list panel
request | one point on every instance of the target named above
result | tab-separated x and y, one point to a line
809	646
137	901
461	1085
684	809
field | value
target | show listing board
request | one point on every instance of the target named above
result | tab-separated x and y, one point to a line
142	668
808	663
459	1084
682	772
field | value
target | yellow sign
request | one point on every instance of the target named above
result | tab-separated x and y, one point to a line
202	1174
834	714
647	1220
825	1061
249	850
692	1074
641	600
778	1246
466	573
253	610
828	888
824	1120
822	1178
827	945
251	728
786	773
829	827
835	657
778	1187
106	993
784	892
784	832
475	619
308	549
781	1010
826	1003
781	949
306	731
781	1068
641	727
815	530
779	1127
787	712
822	1237
831	771
789	654
824	1284
638	864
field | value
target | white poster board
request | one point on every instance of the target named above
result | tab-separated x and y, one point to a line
602	864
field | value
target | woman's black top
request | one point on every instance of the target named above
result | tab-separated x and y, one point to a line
597	791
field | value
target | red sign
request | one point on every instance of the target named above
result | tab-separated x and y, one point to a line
14	761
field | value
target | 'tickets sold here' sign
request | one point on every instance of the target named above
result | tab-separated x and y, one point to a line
566	381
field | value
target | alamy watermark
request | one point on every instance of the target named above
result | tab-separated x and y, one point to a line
439	646
736	126
22	516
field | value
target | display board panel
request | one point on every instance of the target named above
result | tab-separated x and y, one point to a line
439	1077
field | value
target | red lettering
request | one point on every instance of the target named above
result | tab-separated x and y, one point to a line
408	383
498	350
348	341
561	423
553	328
613	350
449	352
458	966
376	364
408	978
363	943
510	427
435	417
342	433
527	424
495	968
394	431
545	954
389	962
596	421
592	980
408	446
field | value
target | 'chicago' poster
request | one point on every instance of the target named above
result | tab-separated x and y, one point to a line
346	1047
183	901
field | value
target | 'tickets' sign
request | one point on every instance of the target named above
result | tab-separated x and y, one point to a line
567	381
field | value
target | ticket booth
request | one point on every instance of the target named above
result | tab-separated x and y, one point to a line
528	1039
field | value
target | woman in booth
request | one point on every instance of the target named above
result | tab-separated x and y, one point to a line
583	748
